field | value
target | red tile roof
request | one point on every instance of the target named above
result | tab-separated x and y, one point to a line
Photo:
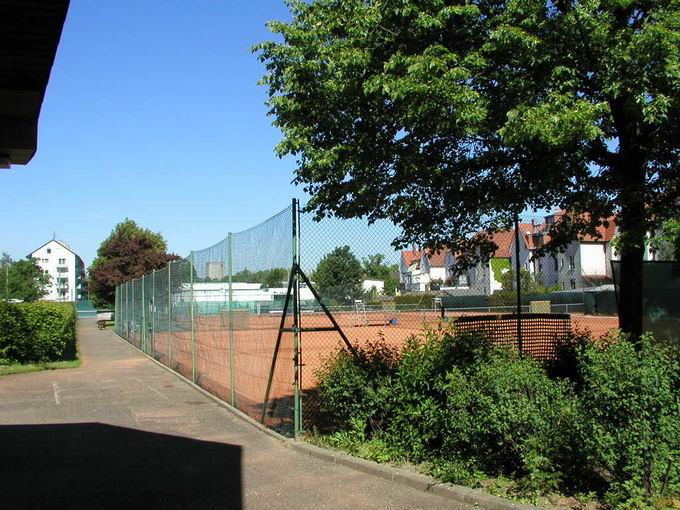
504	242
438	258
410	257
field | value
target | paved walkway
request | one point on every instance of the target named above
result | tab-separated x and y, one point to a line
121	432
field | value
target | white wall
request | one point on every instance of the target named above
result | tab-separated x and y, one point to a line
378	285
593	259
48	258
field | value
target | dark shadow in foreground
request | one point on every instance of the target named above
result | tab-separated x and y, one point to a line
93	465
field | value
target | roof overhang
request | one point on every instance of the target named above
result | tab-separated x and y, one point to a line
29	35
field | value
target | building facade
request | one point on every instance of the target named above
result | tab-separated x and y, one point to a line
66	269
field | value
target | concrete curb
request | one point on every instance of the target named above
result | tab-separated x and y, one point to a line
401	476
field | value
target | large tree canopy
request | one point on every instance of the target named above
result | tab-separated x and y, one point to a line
448	117
129	252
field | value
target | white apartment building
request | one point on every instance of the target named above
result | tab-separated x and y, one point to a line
64	266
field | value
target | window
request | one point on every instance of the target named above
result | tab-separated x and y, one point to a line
62	261
45	261
555	260
49	250
572	284
572	264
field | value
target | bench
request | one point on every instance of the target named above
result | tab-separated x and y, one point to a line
103	319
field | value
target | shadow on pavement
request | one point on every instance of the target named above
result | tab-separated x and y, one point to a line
94	465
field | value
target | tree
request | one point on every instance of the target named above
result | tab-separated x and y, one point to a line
23	279
666	244
450	117
338	276
375	269
129	252
275	277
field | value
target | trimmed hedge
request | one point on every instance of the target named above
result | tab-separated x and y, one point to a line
421	301
35	332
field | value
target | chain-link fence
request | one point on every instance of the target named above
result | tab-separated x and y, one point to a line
253	318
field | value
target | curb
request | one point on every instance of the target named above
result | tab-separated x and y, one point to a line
424	483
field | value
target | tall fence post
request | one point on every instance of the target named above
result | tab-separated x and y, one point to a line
134	318
519	288
297	421
193	327
170	314
232	376
144	325
153	314
116	303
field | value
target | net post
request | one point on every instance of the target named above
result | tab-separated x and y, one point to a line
296	322
144	318
153	313
193	327
169	314
519	288
232	377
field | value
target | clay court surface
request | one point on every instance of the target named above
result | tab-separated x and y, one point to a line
254	339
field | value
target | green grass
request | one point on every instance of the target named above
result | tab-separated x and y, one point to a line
36	367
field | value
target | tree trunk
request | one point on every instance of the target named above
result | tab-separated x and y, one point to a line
630	290
632	225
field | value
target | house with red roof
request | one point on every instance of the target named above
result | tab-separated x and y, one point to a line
585	262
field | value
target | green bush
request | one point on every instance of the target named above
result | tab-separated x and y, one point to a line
630	409
606	421
34	332
411	300
352	389
15	337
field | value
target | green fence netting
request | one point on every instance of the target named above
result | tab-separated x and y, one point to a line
254	317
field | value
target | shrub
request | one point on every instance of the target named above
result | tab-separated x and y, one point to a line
630	408
606	420
421	301
510	418
33	332
352	389
15	337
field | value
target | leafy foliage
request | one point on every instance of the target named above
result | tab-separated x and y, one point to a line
338	276
470	411
630	407
129	252
449	117
276	277
530	284
23	280
35	332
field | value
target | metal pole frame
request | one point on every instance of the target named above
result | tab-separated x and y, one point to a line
232	375
296	322
519	288
193	328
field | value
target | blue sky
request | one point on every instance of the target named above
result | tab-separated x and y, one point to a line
152	112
